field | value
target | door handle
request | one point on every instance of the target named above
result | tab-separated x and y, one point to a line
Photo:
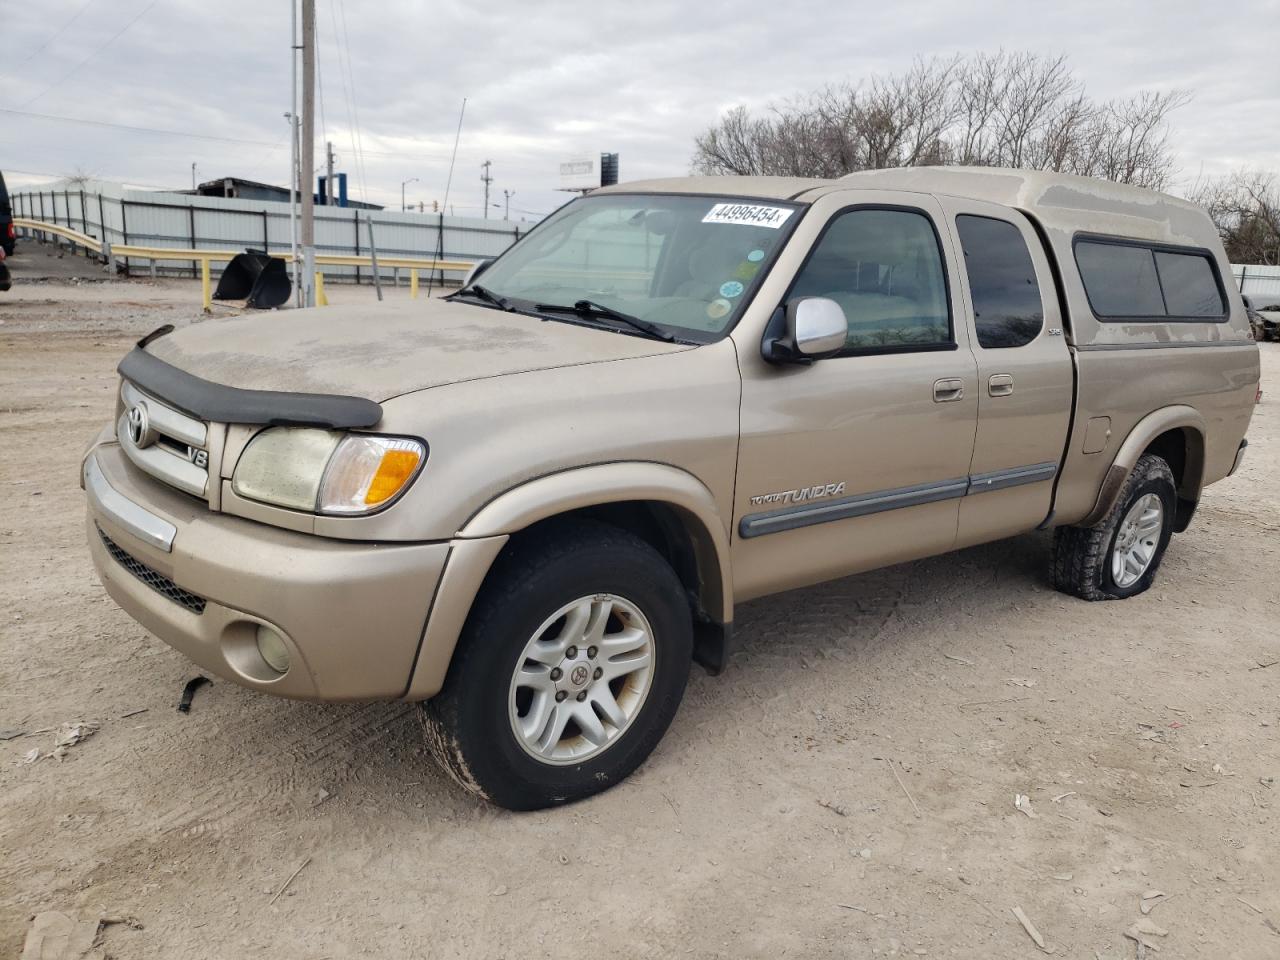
1000	385
948	390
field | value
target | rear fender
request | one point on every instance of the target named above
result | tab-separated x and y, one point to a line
1139	439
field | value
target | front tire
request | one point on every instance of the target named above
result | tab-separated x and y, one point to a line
1119	557
569	670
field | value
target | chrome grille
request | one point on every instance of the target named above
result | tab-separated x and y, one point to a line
154	579
164	442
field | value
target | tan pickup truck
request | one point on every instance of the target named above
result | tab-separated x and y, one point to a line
534	503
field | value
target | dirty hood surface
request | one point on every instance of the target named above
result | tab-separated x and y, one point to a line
380	351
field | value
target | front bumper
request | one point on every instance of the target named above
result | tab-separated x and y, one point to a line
351	614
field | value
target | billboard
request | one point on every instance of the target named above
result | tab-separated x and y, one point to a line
580	173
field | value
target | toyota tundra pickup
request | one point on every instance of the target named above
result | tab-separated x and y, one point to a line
532	504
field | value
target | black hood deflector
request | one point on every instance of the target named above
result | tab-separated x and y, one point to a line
222	404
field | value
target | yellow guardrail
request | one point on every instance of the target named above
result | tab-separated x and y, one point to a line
65	232
111	253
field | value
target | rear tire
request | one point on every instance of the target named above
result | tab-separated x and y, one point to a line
1119	557
569	670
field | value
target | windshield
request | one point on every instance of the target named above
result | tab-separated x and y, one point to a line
684	263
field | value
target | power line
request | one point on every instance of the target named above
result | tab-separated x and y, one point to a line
346	91
445	205
324	128
125	126
358	143
125	181
193	136
248	175
56	34
66	76
355	101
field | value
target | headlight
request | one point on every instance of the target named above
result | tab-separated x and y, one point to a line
326	471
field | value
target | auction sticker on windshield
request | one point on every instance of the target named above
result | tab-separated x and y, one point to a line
771	217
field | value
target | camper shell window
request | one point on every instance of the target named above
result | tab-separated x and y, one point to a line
1126	280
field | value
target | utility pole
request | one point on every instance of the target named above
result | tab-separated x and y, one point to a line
193	177
506	203
328	177
487	180
308	163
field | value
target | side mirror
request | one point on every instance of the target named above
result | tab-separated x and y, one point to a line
806	329
477	268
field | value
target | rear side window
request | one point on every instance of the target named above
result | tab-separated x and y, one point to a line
1190	288
884	268
1002	282
1120	280
1127	281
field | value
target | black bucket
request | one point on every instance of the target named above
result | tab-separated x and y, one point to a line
257	279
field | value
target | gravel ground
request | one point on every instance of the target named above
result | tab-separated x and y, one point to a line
846	789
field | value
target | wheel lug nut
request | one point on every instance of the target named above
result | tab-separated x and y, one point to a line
571	652
591	653
556	673
560	695
599	673
582	696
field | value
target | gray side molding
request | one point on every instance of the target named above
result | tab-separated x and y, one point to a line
1016	477
827	511
792	518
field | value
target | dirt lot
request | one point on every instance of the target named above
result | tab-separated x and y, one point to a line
771	822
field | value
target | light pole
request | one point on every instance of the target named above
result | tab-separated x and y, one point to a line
307	162
193	178
403	184
506	203
294	271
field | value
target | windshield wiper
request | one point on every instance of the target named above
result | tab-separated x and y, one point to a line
488	296
589	308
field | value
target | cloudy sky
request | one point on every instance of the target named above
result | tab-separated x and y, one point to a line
138	90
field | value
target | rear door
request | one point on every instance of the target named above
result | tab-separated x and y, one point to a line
1025	371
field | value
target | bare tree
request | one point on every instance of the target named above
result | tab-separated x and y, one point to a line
1245	206
79	178
1002	109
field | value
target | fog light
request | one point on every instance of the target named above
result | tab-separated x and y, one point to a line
271	646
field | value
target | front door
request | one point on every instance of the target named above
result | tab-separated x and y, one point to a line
1024	370
859	460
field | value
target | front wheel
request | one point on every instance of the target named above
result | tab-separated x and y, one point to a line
569	670
1119	557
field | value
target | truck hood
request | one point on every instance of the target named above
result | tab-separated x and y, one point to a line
380	351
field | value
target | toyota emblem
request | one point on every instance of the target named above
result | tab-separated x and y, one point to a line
140	431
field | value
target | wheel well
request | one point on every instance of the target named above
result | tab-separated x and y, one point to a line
686	546
658	525
1183	449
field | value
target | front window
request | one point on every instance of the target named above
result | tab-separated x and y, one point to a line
884	268
687	264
